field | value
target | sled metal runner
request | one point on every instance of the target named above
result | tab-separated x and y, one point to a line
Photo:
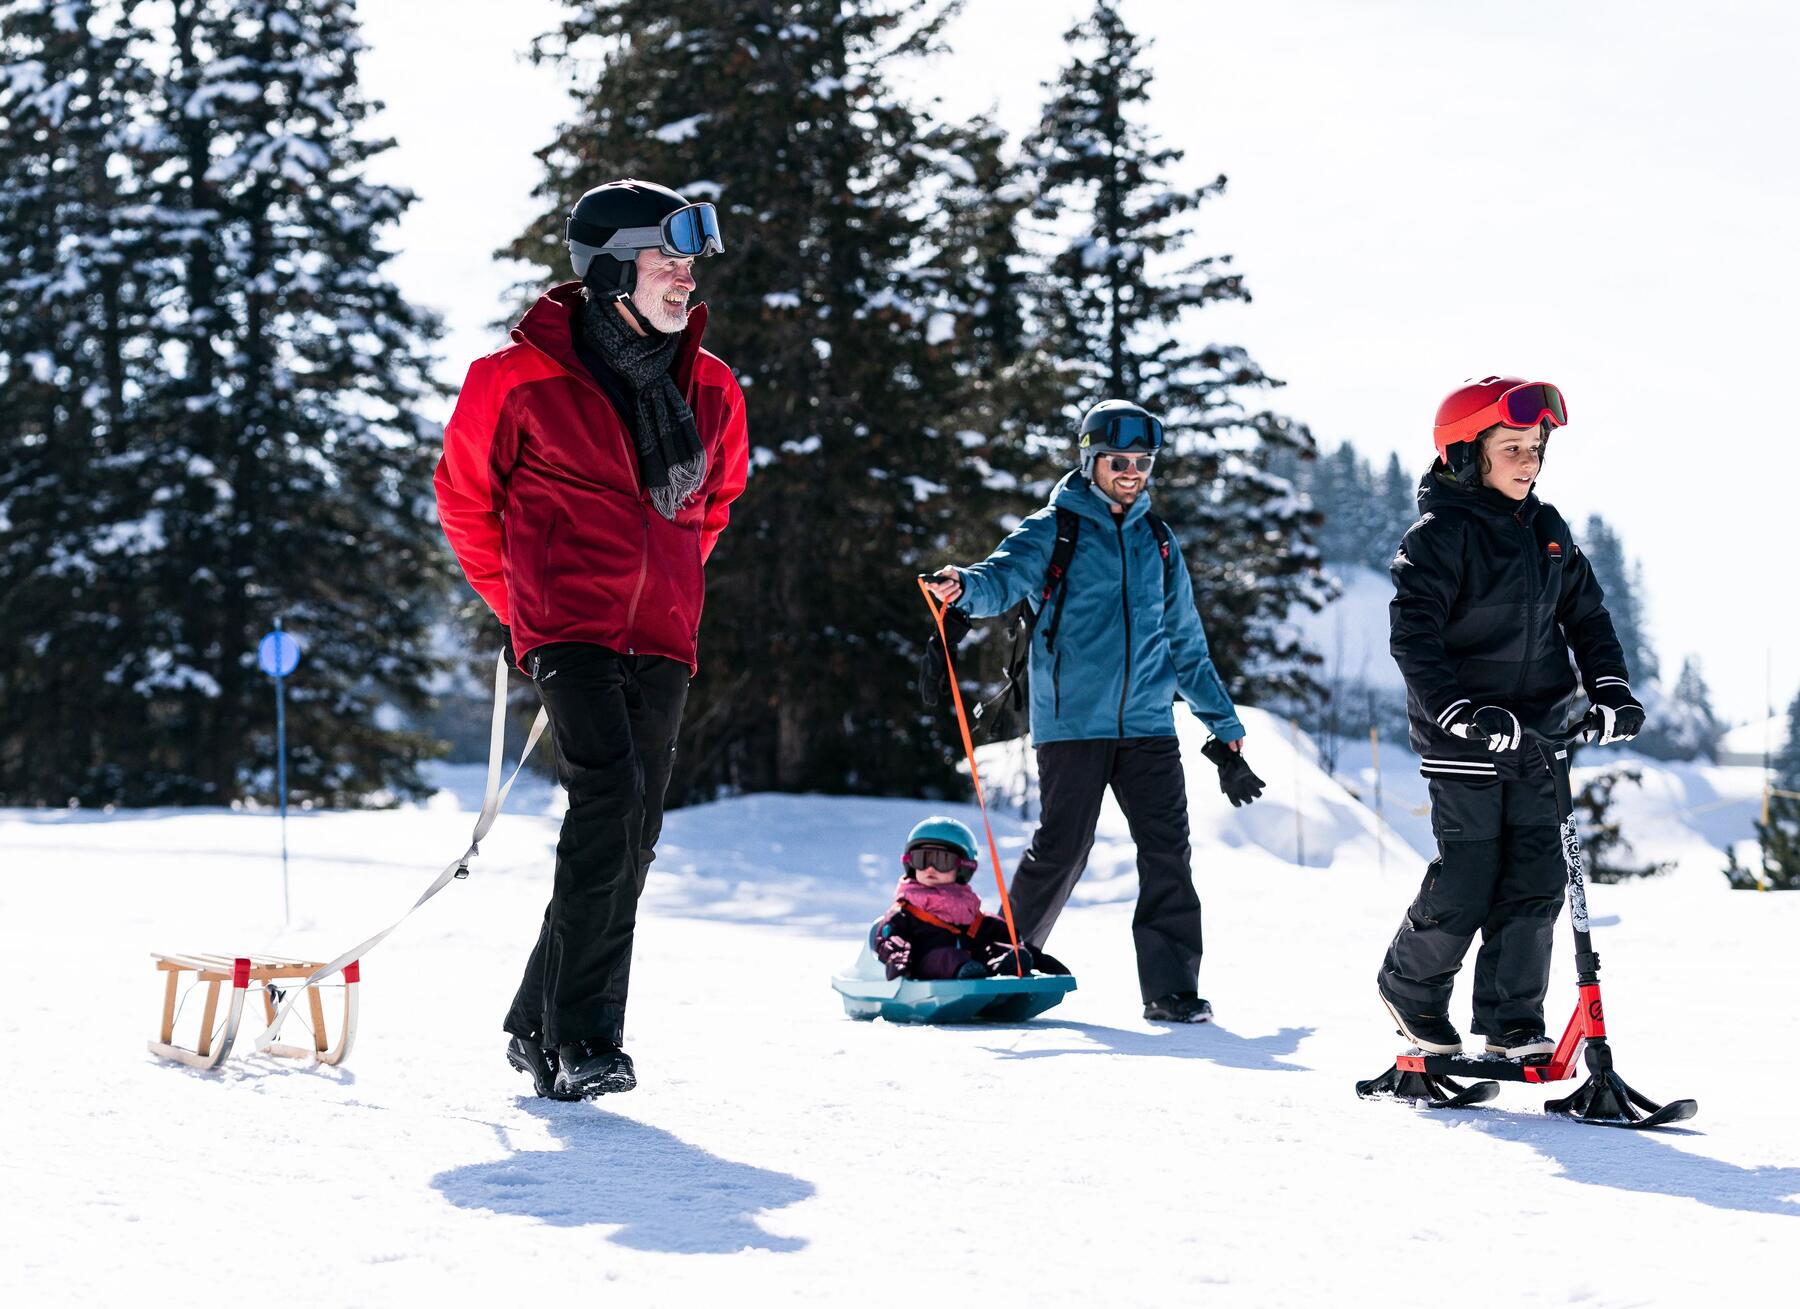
244	974
1604	1098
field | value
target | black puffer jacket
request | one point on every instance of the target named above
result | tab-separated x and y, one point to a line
1490	599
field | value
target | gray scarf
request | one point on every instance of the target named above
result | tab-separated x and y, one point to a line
671	461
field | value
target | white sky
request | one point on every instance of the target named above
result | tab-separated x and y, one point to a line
1602	194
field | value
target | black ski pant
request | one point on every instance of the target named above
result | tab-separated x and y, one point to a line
613	722
1500	872
1145	776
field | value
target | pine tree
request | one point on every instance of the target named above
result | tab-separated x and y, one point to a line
1622	583
77	287
1400	510
296	462
1777	835
870	373
1610	857
264	449
1118	315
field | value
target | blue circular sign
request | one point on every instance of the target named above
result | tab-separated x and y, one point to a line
278	654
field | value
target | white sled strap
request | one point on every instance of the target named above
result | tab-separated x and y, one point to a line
492	799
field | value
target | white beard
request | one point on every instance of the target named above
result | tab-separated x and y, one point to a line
662	315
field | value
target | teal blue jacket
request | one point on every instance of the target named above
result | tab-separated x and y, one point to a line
1127	642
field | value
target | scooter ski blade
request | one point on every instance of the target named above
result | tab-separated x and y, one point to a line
1426	1091
1606	1100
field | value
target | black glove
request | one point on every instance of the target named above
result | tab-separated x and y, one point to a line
506	648
997	957
934	674
893	951
1239	784
1494	727
1621	716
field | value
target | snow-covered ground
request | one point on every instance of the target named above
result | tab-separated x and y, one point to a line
777	1152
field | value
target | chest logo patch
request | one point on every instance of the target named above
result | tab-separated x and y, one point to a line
1555	552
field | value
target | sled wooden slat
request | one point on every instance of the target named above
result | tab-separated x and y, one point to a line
242	973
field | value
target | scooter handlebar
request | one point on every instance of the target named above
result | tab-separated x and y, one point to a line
1580	732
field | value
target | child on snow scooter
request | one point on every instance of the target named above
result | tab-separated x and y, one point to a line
1491	598
935	930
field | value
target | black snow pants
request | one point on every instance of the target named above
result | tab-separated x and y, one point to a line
1499	871
613	722
1146	778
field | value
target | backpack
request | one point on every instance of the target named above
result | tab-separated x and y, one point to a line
1023	618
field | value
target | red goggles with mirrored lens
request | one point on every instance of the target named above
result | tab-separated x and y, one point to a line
1529	405
940	857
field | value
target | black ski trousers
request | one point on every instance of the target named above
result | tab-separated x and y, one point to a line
1499	871
613	722
1146	778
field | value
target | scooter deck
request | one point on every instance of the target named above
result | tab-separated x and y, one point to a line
1538	1068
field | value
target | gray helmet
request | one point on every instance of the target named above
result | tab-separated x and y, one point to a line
611	223
1116	426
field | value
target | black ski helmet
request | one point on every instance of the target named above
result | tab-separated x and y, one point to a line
611	223
1116	425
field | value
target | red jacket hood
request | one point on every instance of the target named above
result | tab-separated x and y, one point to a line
548	327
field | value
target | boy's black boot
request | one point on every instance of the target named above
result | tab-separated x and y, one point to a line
1521	1043
588	1068
1178	1007
525	1054
1432	1033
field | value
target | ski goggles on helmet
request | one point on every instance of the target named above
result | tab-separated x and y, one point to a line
1123	432
1127	463
685	234
940	857
1531	404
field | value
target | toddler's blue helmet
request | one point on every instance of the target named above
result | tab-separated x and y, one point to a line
950	834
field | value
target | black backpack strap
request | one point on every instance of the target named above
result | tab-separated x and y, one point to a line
1165	542
1068	528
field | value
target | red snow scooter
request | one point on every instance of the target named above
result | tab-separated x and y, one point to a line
1428	1079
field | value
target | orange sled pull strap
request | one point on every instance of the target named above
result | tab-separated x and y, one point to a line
962	721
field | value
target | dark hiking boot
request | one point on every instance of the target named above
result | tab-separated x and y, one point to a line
589	1068
1049	965
1178	1007
1521	1043
525	1054
1432	1033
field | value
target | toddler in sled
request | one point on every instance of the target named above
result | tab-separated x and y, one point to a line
935	930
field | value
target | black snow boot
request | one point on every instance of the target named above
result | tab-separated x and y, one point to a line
1521	1043
589	1068
1049	965
525	1054
1432	1033
1178	1007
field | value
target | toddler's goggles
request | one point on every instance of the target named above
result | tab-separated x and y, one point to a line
940	857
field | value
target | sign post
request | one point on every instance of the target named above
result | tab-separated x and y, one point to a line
278	654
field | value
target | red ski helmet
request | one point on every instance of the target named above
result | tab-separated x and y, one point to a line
1477	405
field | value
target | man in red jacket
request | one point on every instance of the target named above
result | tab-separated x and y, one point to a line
587	473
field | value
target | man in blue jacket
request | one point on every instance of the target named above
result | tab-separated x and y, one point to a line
1117	636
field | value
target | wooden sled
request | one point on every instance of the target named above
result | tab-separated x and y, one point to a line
241	974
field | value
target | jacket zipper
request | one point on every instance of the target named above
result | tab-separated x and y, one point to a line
638	590
1056	681
1530	608
1125	608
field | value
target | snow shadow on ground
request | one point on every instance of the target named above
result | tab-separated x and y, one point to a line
663	1194
1639	1161
1207	1041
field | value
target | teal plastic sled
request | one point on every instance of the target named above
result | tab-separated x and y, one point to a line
867	994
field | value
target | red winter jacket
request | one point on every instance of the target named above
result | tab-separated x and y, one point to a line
538	492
